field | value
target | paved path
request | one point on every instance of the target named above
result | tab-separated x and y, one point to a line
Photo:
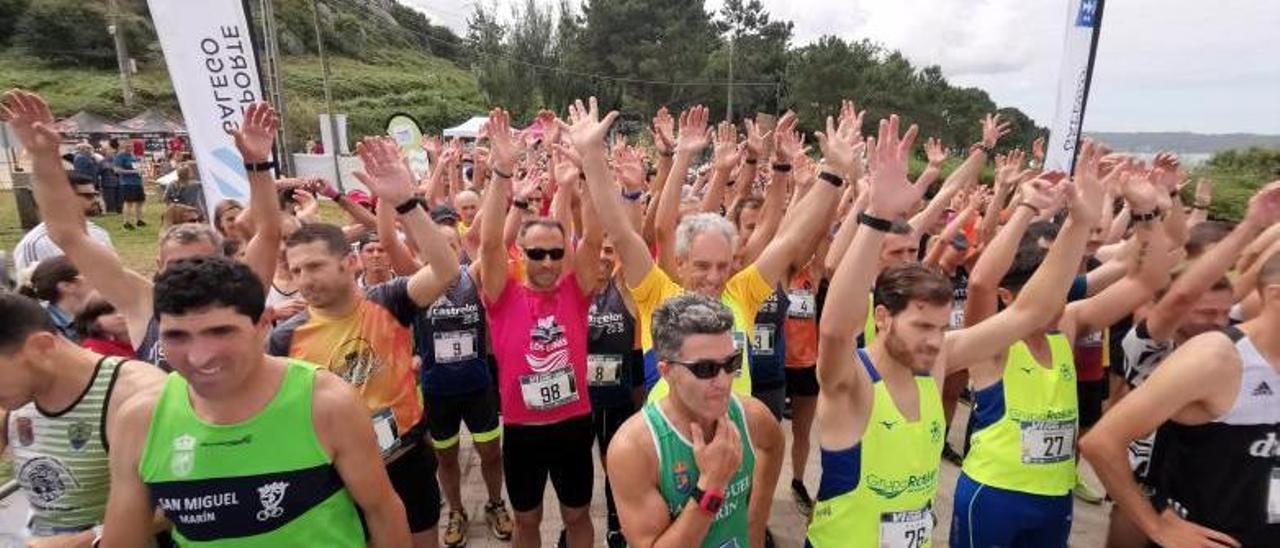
786	523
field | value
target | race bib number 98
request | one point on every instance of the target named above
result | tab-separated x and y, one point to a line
545	391
1047	442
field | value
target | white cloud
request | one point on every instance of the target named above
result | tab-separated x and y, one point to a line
1162	65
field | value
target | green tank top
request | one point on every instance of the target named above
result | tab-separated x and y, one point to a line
60	458
262	482
1024	427
880	491
678	474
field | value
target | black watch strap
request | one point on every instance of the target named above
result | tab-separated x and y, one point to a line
409	205
875	223
832	178
260	166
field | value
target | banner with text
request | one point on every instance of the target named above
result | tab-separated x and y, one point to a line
214	71
1079	46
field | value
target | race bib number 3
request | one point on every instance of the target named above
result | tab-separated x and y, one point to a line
454	346
909	529
762	343
546	391
1047	442
602	369
1273	497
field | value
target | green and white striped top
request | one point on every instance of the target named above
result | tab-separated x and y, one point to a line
60	457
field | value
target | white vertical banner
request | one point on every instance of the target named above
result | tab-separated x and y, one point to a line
1079	46
214	71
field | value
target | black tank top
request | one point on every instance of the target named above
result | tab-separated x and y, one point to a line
1225	474
452	342
768	348
150	349
611	357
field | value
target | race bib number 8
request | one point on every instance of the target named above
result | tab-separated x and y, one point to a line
545	391
602	369
454	346
1047	442
908	529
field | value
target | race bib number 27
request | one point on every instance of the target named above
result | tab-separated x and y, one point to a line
1047	442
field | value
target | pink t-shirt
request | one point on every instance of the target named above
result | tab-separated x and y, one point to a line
540	342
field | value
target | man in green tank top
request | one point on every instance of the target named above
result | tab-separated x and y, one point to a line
1018	475
54	402
239	448
881	425
697	468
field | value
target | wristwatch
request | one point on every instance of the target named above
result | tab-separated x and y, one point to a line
709	501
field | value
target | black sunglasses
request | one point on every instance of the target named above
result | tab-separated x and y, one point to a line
538	254
708	369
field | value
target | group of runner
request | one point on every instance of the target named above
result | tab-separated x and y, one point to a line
303	383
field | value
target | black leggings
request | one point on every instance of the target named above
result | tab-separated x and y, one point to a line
605	422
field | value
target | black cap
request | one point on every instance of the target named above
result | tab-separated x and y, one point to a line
79	180
444	214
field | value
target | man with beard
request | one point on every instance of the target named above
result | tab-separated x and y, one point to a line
366	336
881	424
128	291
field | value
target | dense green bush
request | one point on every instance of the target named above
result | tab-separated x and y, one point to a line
1237	174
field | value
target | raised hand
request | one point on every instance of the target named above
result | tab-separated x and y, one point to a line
587	130
756	141
564	170
850	121
664	130
1166	171
550	128
842	147
993	129
628	164
433	146
257	133
1086	191
727	151
385	172
935	152
1264	207
502	143
1037	150
694	133
31	120
1143	197
892	195
1204	192
1046	194
787	142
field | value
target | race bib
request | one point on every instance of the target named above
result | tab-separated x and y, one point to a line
803	305
384	427
957	317
1047	442
1273	497
908	529
762	343
546	391
454	346
602	369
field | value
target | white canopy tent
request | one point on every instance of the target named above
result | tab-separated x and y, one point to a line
468	129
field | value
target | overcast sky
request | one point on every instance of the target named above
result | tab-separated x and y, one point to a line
1163	65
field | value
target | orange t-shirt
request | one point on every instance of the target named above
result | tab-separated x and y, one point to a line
801	325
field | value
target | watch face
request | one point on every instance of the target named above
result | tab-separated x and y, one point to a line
712	503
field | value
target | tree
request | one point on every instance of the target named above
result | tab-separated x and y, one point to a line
757	48
65	32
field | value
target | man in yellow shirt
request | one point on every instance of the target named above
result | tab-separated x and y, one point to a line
705	243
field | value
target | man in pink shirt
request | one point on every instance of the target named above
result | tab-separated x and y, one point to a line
539	328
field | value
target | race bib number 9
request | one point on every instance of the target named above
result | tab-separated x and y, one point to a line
908	529
546	391
1047	442
602	369
454	346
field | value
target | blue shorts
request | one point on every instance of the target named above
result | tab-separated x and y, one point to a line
987	516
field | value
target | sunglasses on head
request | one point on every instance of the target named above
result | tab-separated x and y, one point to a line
538	254
708	369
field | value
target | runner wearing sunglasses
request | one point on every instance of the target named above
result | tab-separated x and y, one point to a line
539	331
698	467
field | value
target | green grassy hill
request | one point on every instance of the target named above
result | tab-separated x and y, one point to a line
436	92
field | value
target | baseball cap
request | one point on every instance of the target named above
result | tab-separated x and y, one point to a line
445	214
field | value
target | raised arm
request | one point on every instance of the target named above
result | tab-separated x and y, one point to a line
1200	208
587	134
891	195
1264	211
1044	293
129	292
254	139
388	176
586	257
694	136
992	130
727	154
493	252
842	150
402	260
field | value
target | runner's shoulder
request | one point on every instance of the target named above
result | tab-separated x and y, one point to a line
633	444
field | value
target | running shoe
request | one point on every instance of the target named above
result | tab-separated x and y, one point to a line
455	531
1086	493
499	519
951	455
804	503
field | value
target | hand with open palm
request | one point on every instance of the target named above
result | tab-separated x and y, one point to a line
257	133
31	120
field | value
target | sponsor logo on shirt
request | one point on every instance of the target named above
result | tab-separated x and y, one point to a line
26	432
183	459
891	488
1263	389
46	479
271	495
548	347
1266	447
78	434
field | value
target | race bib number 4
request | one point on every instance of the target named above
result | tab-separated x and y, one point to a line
454	346
602	369
908	529
546	391
1047	442
802	306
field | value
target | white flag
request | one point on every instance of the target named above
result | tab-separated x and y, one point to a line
1080	42
214	72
